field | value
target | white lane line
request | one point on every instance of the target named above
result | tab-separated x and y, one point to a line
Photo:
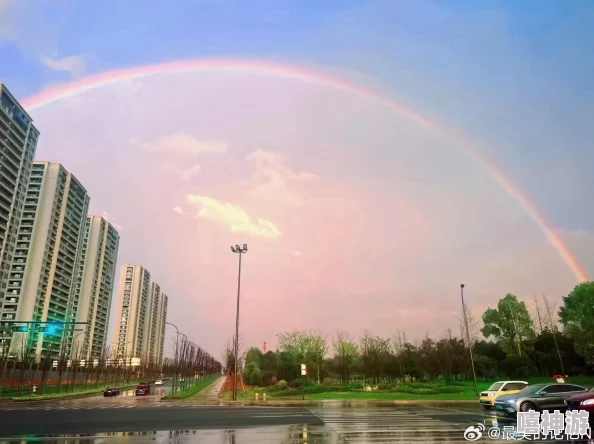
403	430
280	416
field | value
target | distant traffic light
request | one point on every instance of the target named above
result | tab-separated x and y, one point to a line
20	329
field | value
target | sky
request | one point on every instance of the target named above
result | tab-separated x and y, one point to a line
356	216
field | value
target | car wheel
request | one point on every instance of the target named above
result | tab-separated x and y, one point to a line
526	406
487	407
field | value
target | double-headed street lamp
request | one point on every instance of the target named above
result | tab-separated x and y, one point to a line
239	250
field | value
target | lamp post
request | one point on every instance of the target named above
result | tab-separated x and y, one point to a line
179	369
177	333
239	250
468	338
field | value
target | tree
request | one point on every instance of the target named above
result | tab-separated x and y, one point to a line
577	316
375	352
314	348
309	346
345	351
510	323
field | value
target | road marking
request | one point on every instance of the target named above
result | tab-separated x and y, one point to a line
306	415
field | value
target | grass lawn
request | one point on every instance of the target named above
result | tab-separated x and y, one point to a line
435	392
73	392
195	389
386	396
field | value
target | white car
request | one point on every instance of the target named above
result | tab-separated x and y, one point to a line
158	382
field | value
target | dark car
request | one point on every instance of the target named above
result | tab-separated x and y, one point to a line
583	401
142	389
111	391
537	397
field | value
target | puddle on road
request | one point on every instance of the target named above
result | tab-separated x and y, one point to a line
282	435
294	434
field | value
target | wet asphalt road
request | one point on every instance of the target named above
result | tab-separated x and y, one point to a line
147	420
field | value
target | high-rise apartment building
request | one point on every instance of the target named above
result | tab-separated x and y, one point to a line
18	142
157	324
47	257
153	332
94	287
133	316
141	316
162	316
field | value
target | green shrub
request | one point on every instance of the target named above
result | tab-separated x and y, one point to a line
282	384
353	386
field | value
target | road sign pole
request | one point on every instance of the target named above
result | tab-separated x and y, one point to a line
303	373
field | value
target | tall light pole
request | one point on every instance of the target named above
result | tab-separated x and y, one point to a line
239	250
468	338
175	360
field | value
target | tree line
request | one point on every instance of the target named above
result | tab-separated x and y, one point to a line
67	368
511	342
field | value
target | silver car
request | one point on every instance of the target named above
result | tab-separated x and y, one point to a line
537	397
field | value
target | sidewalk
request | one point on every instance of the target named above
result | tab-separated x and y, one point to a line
210	393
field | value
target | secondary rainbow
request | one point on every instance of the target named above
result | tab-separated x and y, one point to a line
56	93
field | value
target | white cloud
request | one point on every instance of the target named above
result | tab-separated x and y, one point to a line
184	174
184	145
297	253
105	215
235	218
274	180
74	64
187	173
178	210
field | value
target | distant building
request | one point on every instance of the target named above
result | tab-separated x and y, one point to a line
164	300
18	142
152	349
141	317
157	325
94	287
47	258
133	312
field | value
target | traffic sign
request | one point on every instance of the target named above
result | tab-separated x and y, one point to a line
303	370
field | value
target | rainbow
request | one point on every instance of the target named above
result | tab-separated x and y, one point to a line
56	93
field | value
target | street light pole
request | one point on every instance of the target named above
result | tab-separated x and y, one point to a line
468	338
175	359
239	250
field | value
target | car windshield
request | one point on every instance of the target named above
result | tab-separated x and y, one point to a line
591	390
496	386
531	389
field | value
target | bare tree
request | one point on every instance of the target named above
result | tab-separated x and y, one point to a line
346	351
399	350
24	359
474	327
538	314
553	326
74	361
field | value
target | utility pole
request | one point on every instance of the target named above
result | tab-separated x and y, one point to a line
468	338
239	250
